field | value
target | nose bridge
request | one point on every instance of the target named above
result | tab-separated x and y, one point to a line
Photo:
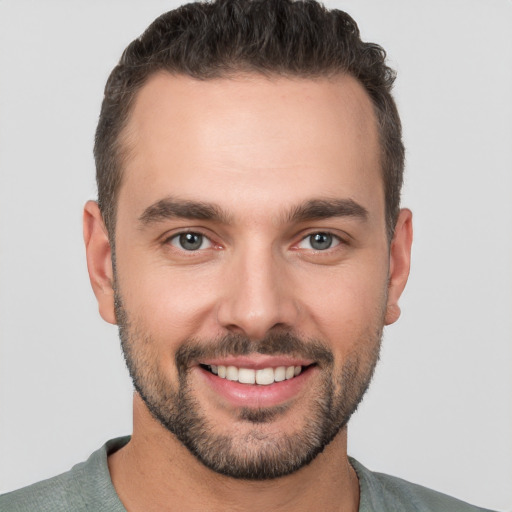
256	298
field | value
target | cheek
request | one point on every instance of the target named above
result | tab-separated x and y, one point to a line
348	306
171	303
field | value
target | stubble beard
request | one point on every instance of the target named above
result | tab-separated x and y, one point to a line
251	453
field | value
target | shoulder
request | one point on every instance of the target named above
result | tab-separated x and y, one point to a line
57	494
385	492
85	487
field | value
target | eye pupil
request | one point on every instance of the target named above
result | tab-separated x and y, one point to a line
321	241
191	241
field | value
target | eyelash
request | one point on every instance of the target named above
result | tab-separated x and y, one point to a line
177	237
335	239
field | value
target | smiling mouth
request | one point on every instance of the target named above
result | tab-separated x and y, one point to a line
262	377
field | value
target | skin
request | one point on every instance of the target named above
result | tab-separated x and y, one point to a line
257	148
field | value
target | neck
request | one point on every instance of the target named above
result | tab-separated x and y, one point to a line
155	472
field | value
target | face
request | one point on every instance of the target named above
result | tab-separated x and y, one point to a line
253	271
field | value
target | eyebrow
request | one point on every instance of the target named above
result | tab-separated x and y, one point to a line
172	208
314	209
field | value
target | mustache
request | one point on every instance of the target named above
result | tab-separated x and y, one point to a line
282	343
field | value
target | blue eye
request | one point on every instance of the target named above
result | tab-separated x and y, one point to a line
190	241
319	241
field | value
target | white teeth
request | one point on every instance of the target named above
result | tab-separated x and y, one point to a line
280	373
232	373
290	372
247	376
263	377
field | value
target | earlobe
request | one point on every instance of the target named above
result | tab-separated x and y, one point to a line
99	260
399	264
393	313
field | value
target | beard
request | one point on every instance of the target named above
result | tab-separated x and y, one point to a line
256	452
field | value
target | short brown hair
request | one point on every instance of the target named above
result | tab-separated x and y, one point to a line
225	37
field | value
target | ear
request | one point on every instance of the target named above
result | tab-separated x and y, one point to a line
99	260
399	264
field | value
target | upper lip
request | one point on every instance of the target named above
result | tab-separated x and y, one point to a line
257	361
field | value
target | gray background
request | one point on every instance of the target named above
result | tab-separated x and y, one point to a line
440	409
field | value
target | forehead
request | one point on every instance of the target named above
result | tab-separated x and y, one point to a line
262	139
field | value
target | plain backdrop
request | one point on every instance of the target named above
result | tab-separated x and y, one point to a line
439	411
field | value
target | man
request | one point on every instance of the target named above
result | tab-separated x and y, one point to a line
249	244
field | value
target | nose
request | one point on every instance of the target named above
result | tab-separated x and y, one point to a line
258	295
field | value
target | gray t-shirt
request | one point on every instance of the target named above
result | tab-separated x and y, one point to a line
87	487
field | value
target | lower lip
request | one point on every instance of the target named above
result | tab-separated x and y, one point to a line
254	395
